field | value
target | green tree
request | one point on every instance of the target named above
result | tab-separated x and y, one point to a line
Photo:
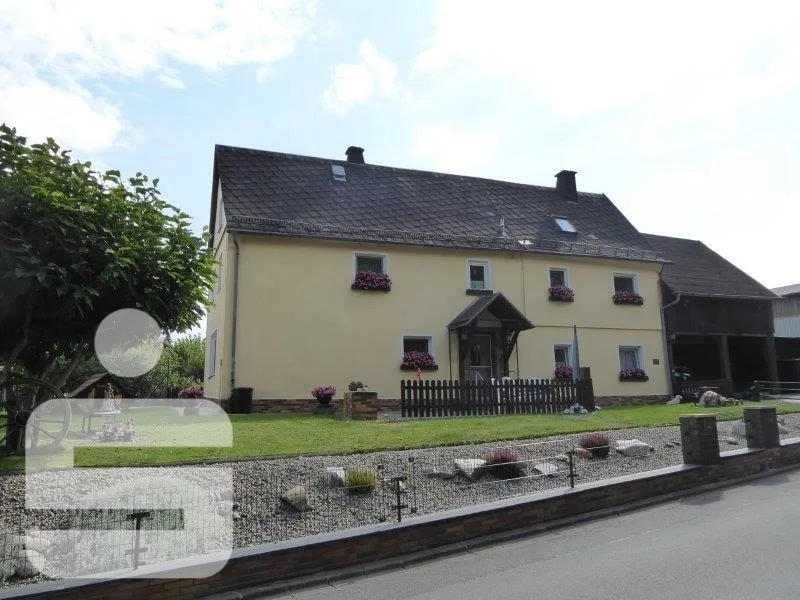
76	245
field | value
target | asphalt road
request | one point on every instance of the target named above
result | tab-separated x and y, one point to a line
736	543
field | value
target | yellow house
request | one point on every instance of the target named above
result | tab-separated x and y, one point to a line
332	271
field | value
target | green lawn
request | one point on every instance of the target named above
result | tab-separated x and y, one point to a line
282	435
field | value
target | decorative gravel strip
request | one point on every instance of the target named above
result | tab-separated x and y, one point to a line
431	485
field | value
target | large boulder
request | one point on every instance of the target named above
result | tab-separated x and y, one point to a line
471	468
547	468
335	476
632	447
297	498
676	400
29	563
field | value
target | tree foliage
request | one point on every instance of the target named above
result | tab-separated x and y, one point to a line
77	244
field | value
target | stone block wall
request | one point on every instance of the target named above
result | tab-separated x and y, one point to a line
605	401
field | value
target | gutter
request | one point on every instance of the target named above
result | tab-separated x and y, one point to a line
235	311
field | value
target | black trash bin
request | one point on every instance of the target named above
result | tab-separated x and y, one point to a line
242	401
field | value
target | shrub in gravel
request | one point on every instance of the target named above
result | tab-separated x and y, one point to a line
360	481
596	443
504	463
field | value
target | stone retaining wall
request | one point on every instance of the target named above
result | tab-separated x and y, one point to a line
605	401
306	405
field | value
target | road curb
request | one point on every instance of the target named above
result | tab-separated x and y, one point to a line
292	585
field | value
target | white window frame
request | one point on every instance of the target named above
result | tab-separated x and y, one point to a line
487	272
419	336
634	276
570	355
639	355
383	256
212	354
557	268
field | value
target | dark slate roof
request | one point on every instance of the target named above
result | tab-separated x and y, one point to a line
787	290
88	383
289	195
497	304
696	270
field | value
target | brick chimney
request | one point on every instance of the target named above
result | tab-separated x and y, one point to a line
565	185
355	155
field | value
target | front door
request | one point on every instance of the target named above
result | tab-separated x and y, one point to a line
480	361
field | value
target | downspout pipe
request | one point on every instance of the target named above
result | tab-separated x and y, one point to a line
235	311
667	364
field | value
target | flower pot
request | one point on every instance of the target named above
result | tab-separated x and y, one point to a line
324	400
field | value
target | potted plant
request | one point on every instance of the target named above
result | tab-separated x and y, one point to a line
633	375
561	293
563	371
323	394
626	297
370	280
415	360
191	399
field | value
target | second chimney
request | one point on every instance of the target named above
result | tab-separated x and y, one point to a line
565	185
355	155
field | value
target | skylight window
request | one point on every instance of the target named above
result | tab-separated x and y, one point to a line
565	226
338	172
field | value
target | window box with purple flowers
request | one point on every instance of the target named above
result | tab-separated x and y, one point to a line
415	360
372	281
633	375
563	371
561	293
625	297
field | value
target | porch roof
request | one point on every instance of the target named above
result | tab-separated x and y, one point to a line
498	305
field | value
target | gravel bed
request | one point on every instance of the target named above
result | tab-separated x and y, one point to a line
258	484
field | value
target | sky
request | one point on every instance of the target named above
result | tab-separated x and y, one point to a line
686	115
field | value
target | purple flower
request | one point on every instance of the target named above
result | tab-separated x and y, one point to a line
562	293
323	391
563	371
370	280
632	374
195	391
417	360
626	297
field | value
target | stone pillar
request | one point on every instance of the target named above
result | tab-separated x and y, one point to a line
360	406
699	439
761	427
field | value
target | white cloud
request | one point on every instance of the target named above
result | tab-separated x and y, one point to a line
374	75
683	115
581	58
69	114
64	47
170	79
452	148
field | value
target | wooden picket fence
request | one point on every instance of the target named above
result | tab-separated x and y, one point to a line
448	398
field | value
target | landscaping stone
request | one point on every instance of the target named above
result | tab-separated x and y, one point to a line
732	440
548	469
391	485
782	428
562	458
583	452
472	468
335	476
297	498
28	562
676	400
631	448
36	543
